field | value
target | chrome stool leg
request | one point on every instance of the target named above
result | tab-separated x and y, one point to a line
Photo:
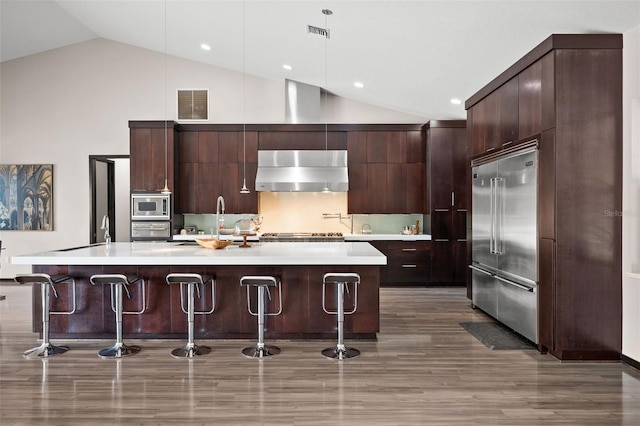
192	282
261	350
47	349
340	351
117	284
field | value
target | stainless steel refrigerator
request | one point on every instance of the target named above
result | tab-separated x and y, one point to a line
504	240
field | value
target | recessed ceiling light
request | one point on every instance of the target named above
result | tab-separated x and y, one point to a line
456	101
205	46
287	67
358	84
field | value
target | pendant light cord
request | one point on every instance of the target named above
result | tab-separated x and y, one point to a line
326	13
244	98
166	147
244	189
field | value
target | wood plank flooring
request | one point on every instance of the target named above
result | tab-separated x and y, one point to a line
423	369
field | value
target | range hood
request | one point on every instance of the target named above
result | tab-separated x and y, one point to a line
302	171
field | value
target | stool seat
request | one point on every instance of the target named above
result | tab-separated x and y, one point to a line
47	284
194	283
262	283
341	280
118	283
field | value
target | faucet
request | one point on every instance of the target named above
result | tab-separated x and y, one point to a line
219	207
105	226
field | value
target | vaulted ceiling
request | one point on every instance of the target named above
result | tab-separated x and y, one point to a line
411	56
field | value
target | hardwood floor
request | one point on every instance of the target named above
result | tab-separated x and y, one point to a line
423	369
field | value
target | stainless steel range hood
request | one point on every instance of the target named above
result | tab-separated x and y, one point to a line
302	171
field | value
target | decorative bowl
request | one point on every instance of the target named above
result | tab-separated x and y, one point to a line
226	231
212	243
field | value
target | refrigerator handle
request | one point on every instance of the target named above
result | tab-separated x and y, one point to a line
499	241
520	286
475	268
492	216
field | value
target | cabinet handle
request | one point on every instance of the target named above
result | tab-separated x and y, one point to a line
441	239
507	143
440	210
490	149
408	249
409	266
462	210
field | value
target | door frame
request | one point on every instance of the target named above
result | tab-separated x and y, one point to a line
111	194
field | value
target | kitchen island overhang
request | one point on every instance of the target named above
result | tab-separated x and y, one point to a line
300	266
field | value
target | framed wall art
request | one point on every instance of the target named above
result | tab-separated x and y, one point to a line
26	197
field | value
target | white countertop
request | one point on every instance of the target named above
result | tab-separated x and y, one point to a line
193	237
387	237
353	237
173	253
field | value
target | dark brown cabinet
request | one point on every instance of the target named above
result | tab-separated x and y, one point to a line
447	166
386	172
152	153
212	163
570	102
493	122
408	262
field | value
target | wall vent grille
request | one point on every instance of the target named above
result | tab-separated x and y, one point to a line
193	104
319	31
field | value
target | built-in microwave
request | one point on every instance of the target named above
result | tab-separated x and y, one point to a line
150	206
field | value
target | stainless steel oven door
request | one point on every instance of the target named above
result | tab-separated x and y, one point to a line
150	231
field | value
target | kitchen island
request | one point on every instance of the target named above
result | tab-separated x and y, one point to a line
300	266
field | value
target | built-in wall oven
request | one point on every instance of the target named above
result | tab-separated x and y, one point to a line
150	231
150	216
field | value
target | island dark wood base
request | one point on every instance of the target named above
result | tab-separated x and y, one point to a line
302	316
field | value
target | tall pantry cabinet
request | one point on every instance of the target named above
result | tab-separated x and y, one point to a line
447	193
567	93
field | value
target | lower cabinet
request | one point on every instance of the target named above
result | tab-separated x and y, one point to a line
408	262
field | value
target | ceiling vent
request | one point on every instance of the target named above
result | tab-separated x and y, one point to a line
193	104
319	31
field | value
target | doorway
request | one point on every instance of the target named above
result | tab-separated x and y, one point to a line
109	196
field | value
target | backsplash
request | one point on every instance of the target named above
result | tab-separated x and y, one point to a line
311	212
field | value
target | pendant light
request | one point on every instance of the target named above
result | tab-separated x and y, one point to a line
166	189
326	13
244	189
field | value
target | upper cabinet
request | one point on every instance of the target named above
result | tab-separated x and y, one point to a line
152	155
511	112
213	163
386	171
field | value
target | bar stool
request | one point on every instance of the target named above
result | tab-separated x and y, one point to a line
342	280
191	282
260	350
119	282
46	349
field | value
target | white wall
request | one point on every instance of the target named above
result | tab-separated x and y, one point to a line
63	105
631	195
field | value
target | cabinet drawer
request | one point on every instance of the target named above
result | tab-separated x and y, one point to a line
409	246
408	273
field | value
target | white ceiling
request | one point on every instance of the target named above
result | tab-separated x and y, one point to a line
412	56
